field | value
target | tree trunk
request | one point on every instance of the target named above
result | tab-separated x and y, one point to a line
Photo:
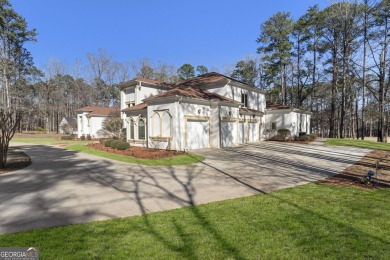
363	131
332	132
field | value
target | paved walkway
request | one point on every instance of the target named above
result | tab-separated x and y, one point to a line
63	187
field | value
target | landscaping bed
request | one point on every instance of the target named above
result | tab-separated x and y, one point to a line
137	152
17	160
355	175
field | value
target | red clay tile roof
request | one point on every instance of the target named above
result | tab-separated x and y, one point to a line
151	81
98	111
136	107
248	110
195	93
148	80
275	106
208	78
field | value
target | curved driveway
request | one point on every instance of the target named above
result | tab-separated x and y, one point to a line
63	187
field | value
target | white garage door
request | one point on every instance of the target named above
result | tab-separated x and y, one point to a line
242	132
229	133
253	133
197	134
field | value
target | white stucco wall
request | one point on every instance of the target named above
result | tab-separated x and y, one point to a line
162	122
302	122
145	92
282	120
294	121
255	100
89	125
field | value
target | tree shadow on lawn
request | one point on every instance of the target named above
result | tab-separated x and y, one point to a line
187	247
149	187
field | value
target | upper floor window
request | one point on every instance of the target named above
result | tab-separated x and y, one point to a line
129	91
244	99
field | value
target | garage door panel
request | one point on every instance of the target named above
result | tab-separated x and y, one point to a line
242	132
253	132
197	134
229	134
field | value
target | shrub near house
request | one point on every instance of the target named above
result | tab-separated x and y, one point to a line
284	134
117	144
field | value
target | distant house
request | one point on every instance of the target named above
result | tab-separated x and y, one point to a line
90	119
68	125
279	116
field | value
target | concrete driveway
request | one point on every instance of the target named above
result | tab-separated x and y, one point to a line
63	187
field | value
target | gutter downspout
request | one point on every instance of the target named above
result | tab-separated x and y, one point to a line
178	122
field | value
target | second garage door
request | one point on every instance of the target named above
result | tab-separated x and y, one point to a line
229	133
197	134
253	133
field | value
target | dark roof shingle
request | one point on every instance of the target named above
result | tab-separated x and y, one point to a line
136	107
275	106
248	110
195	93
98	111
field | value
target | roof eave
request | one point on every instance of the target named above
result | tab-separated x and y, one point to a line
245	86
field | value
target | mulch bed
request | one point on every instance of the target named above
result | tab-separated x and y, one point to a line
137	152
352	175
16	160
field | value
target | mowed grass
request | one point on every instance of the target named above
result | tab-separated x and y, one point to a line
312	221
169	161
80	146
45	141
358	143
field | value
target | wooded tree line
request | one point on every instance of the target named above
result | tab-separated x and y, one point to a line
56	90
333	62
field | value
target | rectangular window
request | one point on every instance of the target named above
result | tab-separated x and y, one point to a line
244	99
141	130
273	126
131	129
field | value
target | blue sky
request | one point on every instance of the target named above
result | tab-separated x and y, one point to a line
212	33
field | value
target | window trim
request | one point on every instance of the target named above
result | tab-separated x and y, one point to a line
144	129
244	99
132	129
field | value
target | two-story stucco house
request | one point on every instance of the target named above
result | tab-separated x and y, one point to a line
208	111
90	120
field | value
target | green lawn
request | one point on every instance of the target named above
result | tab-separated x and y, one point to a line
174	160
306	222
79	146
45	140
358	143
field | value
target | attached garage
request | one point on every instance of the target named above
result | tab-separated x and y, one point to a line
228	133
198	134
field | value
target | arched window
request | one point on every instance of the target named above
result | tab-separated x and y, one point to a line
141	129
166	124
156	124
131	129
